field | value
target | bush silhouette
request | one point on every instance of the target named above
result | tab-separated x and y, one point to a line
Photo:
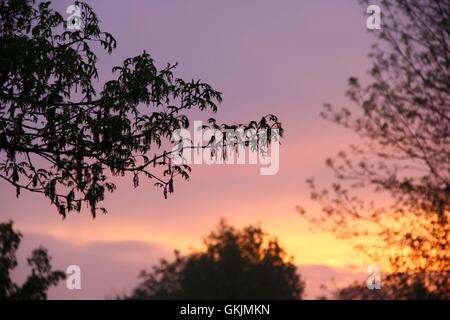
41	278
236	264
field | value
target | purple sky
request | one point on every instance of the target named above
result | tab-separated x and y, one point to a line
285	58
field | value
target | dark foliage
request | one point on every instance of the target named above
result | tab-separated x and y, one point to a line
38	282
59	135
403	118
236	264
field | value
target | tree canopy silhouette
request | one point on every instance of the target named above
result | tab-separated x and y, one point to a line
60	134
42	276
403	118
236	264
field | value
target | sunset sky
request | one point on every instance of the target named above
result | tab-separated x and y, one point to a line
285	58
